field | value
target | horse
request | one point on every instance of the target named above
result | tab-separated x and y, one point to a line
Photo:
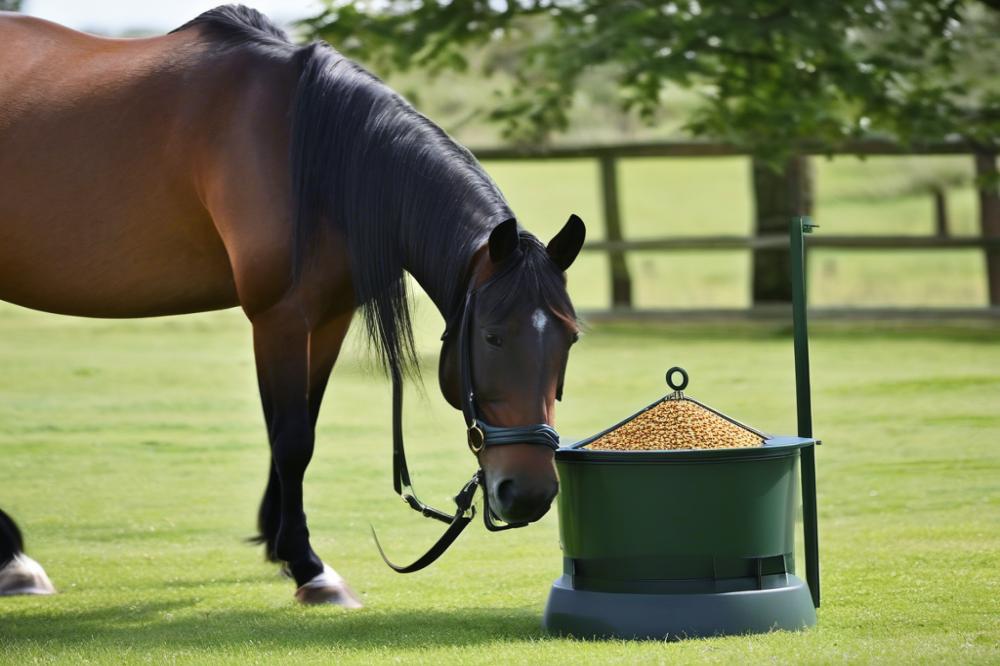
221	165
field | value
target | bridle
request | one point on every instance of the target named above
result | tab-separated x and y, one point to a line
480	436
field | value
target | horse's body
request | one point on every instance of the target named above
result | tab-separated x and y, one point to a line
154	151
189	172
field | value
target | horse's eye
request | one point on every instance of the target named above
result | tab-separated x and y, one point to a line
576	338
494	340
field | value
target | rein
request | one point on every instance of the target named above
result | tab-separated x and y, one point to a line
480	435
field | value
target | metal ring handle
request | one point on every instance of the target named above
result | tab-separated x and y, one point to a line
684	378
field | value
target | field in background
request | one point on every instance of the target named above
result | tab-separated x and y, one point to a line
666	197
133	453
705	196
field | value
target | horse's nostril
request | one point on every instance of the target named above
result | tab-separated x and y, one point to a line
505	494
520	503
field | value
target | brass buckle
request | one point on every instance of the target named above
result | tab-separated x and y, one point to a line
477	438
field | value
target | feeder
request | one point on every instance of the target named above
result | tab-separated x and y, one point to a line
669	544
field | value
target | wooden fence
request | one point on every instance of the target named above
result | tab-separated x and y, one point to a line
617	246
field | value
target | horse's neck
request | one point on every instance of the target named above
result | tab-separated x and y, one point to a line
445	282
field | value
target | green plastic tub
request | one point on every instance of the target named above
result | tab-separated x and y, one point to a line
675	544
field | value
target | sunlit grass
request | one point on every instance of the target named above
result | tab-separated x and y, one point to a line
133	455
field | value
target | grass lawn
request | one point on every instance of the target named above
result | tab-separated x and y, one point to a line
133	455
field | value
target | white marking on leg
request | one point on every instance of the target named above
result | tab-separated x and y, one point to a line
539	320
24	576
328	587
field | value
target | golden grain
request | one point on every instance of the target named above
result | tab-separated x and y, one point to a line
677	424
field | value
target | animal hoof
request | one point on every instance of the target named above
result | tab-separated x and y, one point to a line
328	588
23	575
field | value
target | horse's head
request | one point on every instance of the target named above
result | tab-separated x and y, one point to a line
518	327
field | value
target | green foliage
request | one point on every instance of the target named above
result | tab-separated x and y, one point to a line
10	5
769	74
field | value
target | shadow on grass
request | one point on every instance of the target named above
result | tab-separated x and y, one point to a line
180	623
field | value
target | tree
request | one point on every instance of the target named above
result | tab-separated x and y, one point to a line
10	5
771	75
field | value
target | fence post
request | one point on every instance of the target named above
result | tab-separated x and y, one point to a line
621	282
941	224
988	184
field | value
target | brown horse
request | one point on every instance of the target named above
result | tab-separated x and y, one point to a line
220	166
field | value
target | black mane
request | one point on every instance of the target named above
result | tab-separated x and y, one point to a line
236	24
405	195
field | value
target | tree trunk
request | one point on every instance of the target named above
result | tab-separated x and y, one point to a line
779	195
988	183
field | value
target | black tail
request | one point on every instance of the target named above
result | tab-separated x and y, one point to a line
269	517
11	542
267	542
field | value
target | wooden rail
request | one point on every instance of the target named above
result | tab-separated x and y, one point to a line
861	147
617	246
774	241
764	313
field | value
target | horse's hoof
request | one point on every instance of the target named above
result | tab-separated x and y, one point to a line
328	588
23	575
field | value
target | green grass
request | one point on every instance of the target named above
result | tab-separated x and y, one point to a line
133	455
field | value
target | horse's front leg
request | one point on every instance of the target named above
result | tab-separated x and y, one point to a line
282	350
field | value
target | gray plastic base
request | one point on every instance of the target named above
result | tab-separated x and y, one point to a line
586	614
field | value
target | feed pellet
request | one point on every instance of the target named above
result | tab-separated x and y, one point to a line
676	424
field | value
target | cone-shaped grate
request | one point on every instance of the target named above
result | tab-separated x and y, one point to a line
677	422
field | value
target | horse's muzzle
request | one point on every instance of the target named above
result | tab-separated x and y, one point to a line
518	501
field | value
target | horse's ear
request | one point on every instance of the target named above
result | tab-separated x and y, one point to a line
566	244
503	240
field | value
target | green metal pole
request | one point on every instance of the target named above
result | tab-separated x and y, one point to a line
803	401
